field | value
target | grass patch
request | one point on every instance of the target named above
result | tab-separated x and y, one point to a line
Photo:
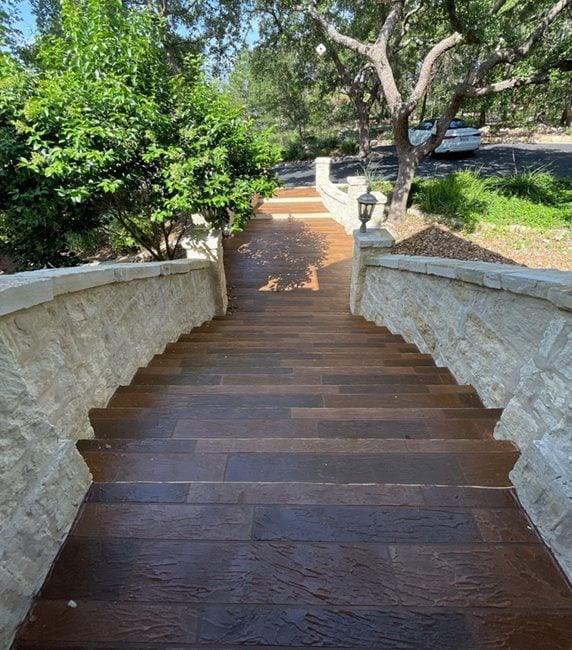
462	200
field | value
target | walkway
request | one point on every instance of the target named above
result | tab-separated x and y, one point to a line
293	476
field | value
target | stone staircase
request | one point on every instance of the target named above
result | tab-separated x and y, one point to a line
292	476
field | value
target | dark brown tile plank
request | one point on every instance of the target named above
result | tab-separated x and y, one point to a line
366	629
162	521
222	572
337	468
126	467
305	493
103	622
381	525
137	493
523	630
508	576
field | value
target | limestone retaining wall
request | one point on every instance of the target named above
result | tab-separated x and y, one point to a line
507	331
68	338
343	206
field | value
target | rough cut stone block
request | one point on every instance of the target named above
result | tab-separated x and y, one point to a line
127	272
413	264
175	266
386	261
562	298
493	280
16	294
442	270
78	279
374	239
542	480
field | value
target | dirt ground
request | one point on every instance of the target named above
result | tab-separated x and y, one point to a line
522	246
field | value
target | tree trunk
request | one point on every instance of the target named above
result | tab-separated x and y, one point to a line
405	175
566	119
423	107
363	129
483	115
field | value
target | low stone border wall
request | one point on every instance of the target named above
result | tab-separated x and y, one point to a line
343	206
68	338
507	331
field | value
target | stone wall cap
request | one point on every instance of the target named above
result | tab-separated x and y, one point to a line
30	288
17	294
183	266
547	284
378	238
356	180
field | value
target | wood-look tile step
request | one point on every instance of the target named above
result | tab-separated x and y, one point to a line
347	446
394	399
228	627
391	413
376	524
295	445
475	469
496	500
288	345
515	576
292	361
492	500
437	428
416	384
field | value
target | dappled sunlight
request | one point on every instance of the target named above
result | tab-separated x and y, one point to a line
289	261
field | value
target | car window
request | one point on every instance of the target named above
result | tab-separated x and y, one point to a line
458	124
427	125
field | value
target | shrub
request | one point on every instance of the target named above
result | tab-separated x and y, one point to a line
463	199
349	147
460	198
536	186
115	137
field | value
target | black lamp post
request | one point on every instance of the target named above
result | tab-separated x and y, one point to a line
366	206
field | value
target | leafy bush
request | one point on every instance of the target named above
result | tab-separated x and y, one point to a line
536	186
463	199
105	133
460	198
349	147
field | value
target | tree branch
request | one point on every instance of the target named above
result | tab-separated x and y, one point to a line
332	32
513	55
377	53
466	90
499	4
389	25
426	73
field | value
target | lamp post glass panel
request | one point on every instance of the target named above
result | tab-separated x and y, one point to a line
366	205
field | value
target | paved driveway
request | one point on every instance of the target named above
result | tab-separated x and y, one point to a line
491	159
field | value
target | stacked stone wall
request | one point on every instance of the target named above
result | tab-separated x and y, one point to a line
68	338
507	331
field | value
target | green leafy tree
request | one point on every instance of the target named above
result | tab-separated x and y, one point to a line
119	139
487	38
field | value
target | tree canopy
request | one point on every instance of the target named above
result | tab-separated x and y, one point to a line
102	132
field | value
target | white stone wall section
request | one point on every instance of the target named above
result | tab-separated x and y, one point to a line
68	339
343	206
507	331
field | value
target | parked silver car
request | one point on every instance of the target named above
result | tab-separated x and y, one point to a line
460	137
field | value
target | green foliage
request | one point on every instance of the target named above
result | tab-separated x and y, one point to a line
459	197
105	134
534	199
349	147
